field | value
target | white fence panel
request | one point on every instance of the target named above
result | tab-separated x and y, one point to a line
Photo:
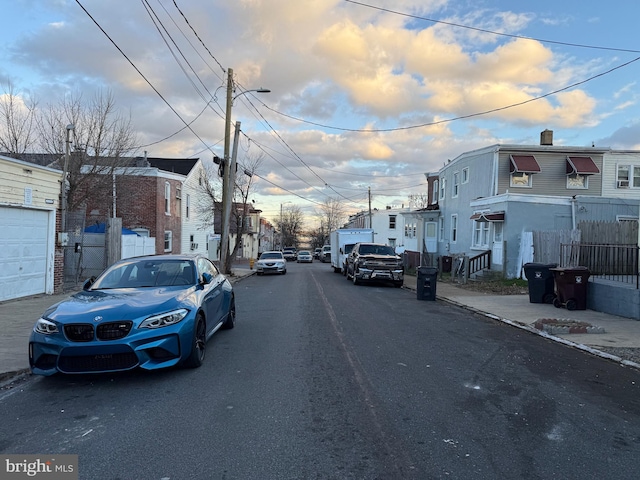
135	246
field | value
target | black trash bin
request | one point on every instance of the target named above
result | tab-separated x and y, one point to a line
571	287
426	283
446	263
541	282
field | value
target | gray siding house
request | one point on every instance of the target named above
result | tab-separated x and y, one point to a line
491	198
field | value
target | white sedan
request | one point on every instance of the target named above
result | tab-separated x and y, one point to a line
304	257
271	262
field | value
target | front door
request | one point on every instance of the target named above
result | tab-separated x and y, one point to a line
497	248
430	236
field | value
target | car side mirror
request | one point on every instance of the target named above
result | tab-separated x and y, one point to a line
88	282
206	278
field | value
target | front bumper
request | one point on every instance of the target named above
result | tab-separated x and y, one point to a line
144	348
379	274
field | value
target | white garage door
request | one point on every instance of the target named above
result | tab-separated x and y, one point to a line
23	252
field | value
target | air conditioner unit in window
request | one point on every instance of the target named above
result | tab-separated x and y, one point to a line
623	183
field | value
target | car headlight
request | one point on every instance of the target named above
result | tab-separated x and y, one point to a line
165	319
45	327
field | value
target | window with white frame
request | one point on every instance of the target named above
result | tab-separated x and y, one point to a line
392	242
167	198
441	229
410	230
187	207
577	181
521	179
443	183
392	222
454	228
481	234
456	184
435	192
465	175
168	241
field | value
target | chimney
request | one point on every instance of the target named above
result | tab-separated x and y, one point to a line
546	137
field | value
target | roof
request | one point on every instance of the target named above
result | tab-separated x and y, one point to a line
524	164
488	217
582	166
174	165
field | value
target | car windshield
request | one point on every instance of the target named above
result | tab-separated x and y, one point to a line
271	256
304	253
376	250
147	273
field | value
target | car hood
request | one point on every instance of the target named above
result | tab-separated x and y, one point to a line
382	258
120	304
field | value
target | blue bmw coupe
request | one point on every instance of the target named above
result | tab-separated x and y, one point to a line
150	312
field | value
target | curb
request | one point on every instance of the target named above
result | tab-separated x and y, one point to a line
542	333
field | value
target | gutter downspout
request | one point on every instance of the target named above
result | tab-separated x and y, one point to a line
573	212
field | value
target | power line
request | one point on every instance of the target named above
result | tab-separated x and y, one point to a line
461	117
502	34
140	73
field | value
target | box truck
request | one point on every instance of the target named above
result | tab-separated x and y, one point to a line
342	241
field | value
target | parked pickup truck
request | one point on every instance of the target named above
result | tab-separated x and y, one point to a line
374	262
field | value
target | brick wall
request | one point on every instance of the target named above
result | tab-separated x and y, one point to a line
140	203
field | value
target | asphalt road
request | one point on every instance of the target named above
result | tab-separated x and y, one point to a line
322	379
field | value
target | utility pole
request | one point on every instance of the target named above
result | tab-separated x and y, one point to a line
65	170
226	180
370	217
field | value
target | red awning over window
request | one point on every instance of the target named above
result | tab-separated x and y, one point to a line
582	166
524	164
488	217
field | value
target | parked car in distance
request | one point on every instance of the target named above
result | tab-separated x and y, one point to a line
316	253
374	261
150	312
289	253
304	256
325	255
271	262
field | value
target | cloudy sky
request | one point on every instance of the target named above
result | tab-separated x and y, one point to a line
364	95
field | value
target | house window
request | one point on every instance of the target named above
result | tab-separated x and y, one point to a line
465	175
392	222
178	193
168	241
167	198
521	179
481	234
628	176
636	176
441	229
392	242
435	192
456	179
187	205
575	180
443	183
497	231
454	228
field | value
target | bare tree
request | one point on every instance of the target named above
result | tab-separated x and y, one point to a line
17	122
332	214
103	140
418	200
290	226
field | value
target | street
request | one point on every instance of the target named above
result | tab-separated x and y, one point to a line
323	379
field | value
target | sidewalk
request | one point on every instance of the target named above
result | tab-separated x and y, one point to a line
516	310
17	318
